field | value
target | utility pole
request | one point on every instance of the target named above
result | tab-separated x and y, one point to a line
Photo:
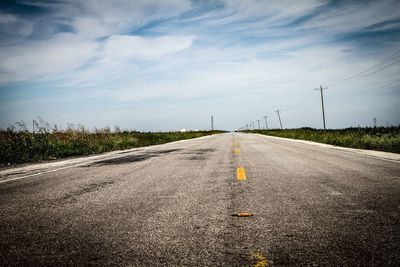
252	123
266	124
374	122
212	123
322	102
279	116
258	121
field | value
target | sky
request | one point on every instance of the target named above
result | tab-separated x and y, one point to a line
160	65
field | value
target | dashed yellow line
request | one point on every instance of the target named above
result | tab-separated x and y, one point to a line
243	214
262	261
241	174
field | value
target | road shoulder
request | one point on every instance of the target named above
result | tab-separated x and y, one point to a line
369	153
28	170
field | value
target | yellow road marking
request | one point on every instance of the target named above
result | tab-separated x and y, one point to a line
237	151
243	214
261	260
241	174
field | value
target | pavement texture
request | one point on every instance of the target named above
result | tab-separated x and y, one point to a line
172	205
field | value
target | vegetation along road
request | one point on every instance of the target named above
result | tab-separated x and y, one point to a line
226	199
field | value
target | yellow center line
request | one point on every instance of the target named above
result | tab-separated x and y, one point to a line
261	260
241	174
243	214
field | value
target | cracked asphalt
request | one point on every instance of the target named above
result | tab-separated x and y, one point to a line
172	205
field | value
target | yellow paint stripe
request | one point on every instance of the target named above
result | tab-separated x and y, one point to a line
243	214
241	174
261	260
237	151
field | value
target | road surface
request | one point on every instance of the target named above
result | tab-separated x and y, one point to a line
172	205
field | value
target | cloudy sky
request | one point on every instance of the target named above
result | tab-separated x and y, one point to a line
171	64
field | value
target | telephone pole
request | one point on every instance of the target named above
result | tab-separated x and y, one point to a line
258	121
212	123
252	124
322	102
279	116
266	124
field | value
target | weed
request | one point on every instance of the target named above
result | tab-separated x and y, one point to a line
17	145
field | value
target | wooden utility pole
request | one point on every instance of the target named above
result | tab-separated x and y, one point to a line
322	102
279	116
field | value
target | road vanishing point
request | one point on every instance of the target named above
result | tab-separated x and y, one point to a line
223	200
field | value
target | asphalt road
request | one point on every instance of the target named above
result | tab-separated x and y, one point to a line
172	205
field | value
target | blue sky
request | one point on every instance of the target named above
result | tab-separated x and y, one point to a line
171	64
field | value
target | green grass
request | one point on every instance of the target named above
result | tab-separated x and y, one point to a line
23	146
379	138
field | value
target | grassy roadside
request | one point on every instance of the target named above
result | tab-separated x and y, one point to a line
379	138
23	146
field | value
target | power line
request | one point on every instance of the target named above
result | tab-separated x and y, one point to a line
378	70
372	69
369	68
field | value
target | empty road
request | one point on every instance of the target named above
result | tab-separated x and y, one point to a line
172	205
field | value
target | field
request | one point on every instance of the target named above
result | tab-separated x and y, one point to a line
374	138
21	146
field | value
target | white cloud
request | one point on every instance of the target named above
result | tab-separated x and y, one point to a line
284	9
7	18
98	18
356	16
60	54
219	74
92	19
124	47
265	13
